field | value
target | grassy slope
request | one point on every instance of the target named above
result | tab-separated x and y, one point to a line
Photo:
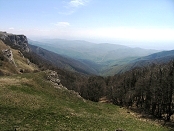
29	102
20	61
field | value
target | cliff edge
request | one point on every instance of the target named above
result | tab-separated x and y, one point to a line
19	42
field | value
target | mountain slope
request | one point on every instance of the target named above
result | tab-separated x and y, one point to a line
12	61
99	57
99	53
30	102
163	56
156	58
63	62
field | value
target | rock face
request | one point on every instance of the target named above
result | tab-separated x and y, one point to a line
54	78
17	41
3	35
7	53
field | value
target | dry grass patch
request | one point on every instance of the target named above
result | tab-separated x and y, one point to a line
12	81
3	46
22	63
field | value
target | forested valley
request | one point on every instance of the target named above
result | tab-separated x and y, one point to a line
147	90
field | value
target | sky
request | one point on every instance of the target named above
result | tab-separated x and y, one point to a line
135	23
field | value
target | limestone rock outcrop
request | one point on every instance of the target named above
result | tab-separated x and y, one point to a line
53	77
17	41
7	53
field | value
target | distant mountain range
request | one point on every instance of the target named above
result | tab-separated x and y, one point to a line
99	58
100	53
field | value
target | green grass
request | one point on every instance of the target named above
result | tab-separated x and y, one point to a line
34	105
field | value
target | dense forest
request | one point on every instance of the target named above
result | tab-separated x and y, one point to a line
148	89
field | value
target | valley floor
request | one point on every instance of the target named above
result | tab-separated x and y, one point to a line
30	102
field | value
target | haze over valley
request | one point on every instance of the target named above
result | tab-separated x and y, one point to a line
99	57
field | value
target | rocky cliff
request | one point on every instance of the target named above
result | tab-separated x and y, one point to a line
16	41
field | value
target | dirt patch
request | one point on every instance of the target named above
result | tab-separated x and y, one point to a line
104	100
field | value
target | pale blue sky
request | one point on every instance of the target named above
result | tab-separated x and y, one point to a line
136	23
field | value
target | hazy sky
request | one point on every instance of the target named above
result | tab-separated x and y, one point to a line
141	23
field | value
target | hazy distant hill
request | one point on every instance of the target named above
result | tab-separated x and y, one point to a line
63	62
156	58
100	53
99	57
